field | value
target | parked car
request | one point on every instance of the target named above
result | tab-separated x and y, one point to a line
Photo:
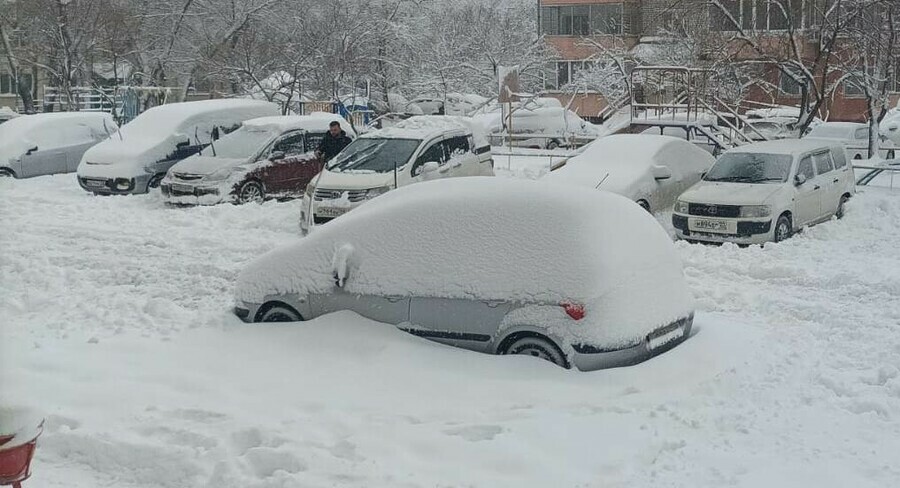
136	158
543	126
854	137
50	143
268	157
890	127
7	114
493	265
765	192
416	149
771	129
647	169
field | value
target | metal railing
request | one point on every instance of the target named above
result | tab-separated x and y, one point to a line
876	170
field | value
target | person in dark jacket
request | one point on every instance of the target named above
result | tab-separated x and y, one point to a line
334	141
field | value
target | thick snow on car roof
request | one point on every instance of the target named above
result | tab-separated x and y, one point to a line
793	147
40	129
621	160
316	121
486	238
24	123
428	126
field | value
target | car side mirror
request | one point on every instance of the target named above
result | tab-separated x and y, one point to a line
430	167
31	150
340	265
276	155
661	172
183	144
799	179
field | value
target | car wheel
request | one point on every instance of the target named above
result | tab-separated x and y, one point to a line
7	173
553	144
280	313
154	181
251	191
783	228
538	347
840	210
891	154
644	205
857	157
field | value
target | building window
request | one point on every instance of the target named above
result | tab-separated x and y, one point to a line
853	85
788	85
8	83
761	15
582	20
562	73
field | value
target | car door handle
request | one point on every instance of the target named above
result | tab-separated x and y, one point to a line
816	187
836	180
492	303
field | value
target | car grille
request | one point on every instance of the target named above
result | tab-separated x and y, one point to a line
187	176
353	196
712	210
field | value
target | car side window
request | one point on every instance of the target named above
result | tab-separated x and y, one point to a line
806	168
862	133
840	158
434	153
457	146
313	139
823	162
290	145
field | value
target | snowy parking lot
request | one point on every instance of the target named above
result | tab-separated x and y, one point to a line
116	327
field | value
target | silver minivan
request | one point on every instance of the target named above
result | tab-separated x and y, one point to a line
50	143
491	265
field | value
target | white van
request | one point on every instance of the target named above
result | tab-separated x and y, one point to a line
765	192
420	148
136	158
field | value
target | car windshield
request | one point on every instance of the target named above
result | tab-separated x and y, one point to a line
741	167
374	155
240	144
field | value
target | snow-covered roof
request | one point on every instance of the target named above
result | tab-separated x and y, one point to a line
427	126
490	238
793	147
772	112
316	121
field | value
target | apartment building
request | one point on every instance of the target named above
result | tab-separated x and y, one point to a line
581	30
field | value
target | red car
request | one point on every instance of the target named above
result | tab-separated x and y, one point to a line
268	157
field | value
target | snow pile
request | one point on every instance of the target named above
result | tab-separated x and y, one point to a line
490	239
154	134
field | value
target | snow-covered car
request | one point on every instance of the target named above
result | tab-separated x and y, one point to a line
890	126
765	192
268	157
417	149
7	114
136	158
647	169
492	265
50	143
542	127
854	136
771	129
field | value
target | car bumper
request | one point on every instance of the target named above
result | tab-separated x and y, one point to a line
748	231
587	358
115	186
188	194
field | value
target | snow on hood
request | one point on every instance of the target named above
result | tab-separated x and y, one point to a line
353	180
204	165
727	193
154	134
494	239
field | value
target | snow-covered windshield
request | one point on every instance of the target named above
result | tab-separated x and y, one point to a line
826	131
377	155
751	168
242	143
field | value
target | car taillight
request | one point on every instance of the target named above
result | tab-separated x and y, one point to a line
574	310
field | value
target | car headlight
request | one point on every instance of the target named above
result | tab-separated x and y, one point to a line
753	211
219	174
310	190
374	192
681	207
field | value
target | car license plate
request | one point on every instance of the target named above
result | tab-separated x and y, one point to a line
712	225
330	212
667	337
95	183
182	188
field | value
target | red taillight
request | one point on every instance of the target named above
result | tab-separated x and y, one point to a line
574	310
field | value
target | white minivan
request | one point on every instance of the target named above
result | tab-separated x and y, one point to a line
420	148
765	192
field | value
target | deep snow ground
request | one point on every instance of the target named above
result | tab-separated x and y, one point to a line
115	325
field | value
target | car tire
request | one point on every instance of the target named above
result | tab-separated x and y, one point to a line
279	313
857	157
783	228
251	191
553	144
891	154
644	205
7	173
840	209
539	347
155	181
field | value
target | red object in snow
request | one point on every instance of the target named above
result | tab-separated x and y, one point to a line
16	454
573	310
